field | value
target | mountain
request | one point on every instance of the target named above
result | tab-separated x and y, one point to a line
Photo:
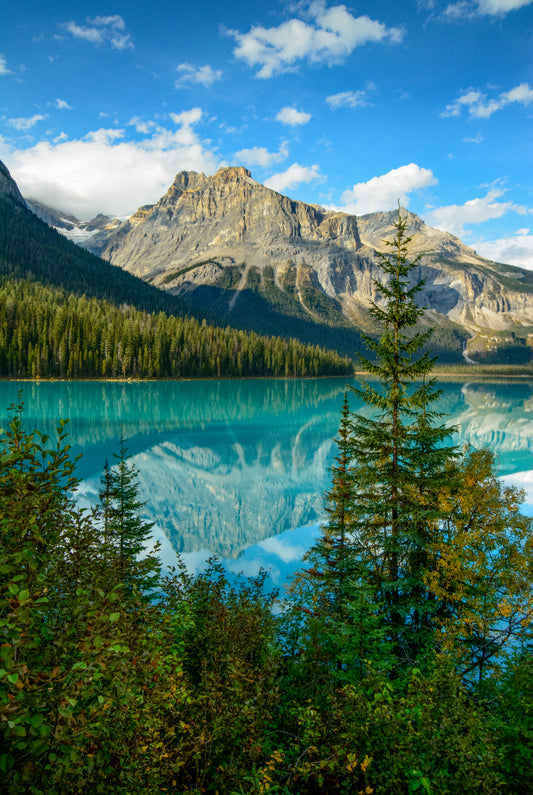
64	312
70	226
259	260
9	191
30	249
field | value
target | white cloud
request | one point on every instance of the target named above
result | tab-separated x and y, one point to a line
26	124
521	93
3	66
459	10
384	192
89	34
196	75
187	117
104	136
140	125
455	217
260	156
513	250
115	21
103	172
498	7
102	30
293	117
329	36
348	99
521	480
283	549
466	9
482	108
62	104
293	177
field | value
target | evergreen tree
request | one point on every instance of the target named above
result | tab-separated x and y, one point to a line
384	507
345	627
339	507
400	458
125	533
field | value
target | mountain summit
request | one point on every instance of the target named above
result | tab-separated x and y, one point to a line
8	188
244	255
260	260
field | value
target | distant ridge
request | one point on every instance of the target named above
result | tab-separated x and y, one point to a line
232	250
66	313
260	260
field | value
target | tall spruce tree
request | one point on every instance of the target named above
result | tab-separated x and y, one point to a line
384	508
400	456
345	630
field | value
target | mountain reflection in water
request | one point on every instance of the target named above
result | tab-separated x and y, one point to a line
239	468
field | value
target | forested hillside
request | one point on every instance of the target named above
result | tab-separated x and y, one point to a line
31	249
48	332
65	313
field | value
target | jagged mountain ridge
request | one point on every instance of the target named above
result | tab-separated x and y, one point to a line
244	255
246	251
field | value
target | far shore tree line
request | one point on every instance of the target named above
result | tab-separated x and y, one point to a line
49	333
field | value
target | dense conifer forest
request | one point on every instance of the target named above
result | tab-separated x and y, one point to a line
29	249
65	313
399	662
47	332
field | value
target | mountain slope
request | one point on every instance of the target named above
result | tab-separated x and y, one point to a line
70	226
66	313
259	260
31	249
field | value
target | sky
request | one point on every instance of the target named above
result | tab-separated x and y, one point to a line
352	107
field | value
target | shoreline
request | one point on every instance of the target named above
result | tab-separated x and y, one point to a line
462	373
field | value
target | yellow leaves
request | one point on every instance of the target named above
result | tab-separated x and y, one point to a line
352	762
276	757
366	763
505	609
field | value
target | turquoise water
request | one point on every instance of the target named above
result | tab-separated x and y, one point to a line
239	468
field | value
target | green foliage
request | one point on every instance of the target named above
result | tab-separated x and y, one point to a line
29	249
417	593
205	688
230	664
125	533
47	332
513	719
481	567
66	313
395	461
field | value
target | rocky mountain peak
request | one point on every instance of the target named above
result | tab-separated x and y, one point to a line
186	180
248	255
231	174
225	237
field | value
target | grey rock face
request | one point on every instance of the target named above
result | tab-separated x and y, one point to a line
205	225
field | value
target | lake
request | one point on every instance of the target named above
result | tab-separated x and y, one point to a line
239	468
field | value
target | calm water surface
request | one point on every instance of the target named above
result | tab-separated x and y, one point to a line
239	468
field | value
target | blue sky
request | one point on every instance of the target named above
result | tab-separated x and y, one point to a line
351	107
